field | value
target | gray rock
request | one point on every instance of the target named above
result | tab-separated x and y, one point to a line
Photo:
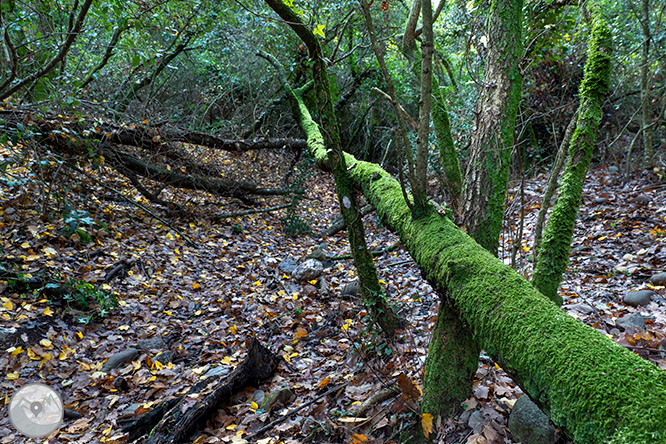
351	288
580	308
217	371
278	398
633	321
613	169
164	358
658	279
529	425
154	343
287	265
120	358
637	298
308	270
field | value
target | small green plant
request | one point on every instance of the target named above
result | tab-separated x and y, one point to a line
84	296
75	220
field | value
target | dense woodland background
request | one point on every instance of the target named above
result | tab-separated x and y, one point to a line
155	186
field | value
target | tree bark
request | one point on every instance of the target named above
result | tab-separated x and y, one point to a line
371	290
554	251
595	390
491	144
645	86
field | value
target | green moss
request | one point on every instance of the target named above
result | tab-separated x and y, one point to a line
453	358
595	390
554	251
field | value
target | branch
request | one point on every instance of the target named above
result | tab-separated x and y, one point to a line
64	49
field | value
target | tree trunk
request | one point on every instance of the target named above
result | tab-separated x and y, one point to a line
645	86
554	251
490	152
371	290
595	390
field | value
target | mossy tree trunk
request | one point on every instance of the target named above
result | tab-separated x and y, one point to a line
453	354
371	290
594	389
487	172
554	250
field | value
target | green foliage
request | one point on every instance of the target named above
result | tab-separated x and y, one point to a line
85	296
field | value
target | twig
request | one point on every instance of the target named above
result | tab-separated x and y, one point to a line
374	253
375	399
293	411
254	211
189	241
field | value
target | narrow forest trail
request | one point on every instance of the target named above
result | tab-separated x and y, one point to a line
207	301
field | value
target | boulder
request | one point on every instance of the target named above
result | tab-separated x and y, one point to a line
287	265
658	279
638	298
633	321
308	270
529	425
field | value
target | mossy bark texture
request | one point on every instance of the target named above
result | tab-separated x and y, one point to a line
554	250
371	290
492	141
597	391
453	358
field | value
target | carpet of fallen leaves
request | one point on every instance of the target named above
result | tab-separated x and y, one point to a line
206	299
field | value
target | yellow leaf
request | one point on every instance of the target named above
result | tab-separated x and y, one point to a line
347	324
319	30
8	305
313	282
231	426
12	376
123	327
25	245
46	344
254	405
16	351
196	286
257	283
357	438
169	236
32	355
226	360
233	329
48	251
324	382
426	423
79	334
167	312
48	312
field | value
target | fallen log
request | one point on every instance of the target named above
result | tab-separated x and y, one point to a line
173	422
592	388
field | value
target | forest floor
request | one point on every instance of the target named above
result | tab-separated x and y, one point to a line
207	299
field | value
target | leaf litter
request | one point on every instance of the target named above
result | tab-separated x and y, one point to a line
190	310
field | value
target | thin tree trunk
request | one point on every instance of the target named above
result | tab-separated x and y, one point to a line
645	86
554	251
552	185
371	290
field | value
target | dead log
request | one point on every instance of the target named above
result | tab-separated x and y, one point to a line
173	422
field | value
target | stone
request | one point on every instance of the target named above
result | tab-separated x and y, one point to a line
164	358
642	199
658	279
633	321
287	265
220	370
308	270
476	421
613	169
580	308
637	298
530	425
351	288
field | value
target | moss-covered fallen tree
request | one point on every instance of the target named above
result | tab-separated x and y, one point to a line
595	390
